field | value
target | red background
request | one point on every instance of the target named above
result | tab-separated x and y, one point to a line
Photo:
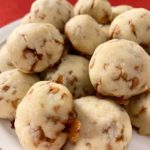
11	10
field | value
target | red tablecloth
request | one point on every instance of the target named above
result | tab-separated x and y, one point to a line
11	10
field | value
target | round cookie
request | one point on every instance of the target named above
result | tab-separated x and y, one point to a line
5	61
120	68
73	73
26	19
56	12
104	125
117	10
13	87
100	10
84	33
42	116
139	111
105	29
132	25
34	47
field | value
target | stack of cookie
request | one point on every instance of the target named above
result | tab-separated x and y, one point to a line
72	78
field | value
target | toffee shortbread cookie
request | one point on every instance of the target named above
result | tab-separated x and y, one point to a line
105	29
117	10
34	47
42	116
139	111
5	61
120	68
104	125
56	12
13	87
84	33
132	25
100	10
72	72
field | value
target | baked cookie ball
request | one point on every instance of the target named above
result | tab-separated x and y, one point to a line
84	33
13	87
139	111
132	25
100	10
42	116
105	29
34	47
5	61
56	12
117	10
104	125
120	68
26	19
72	72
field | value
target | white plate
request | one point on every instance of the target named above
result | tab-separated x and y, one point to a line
8	139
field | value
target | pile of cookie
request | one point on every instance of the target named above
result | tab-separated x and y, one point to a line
72	78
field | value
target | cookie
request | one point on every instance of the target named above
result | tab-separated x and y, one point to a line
13	87
73	73
84	33
139	111
56	12
120	68
34	47
132	25
100	10
117	10
26	19
105	29
5	61
42	116
104	125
